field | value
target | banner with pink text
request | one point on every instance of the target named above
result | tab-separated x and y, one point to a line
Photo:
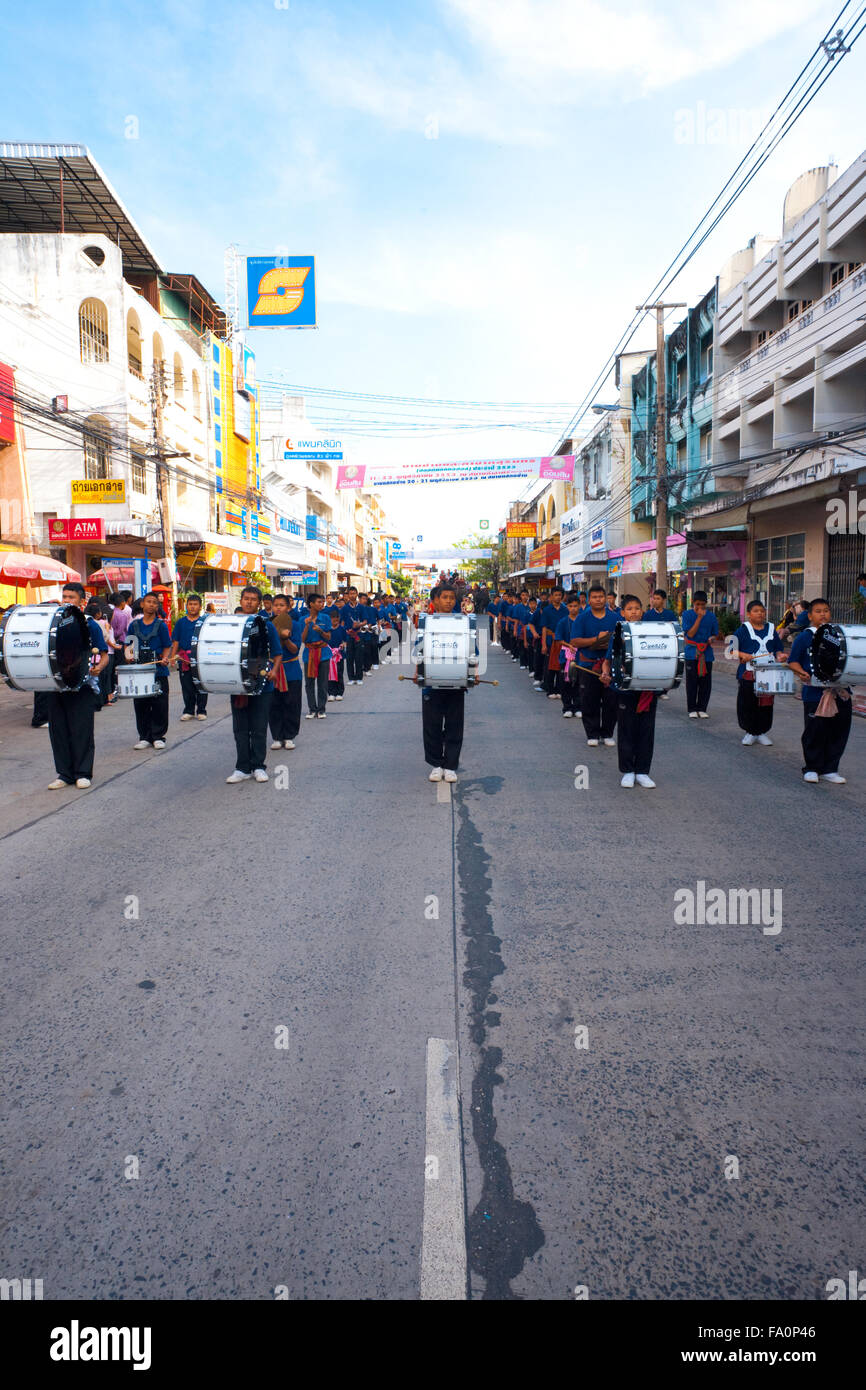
558	468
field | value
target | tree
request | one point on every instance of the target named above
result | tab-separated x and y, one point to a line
401	583
482	571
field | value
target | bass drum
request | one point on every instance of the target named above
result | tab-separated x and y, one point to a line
648	656
838	654
44	649
229	653
444	650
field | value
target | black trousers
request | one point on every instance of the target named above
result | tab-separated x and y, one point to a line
284	716
338	687
41	708
442	722
370	649
151	714
635	733
250	728
525	653
70	728
752	717
317	689
823	740
698	688
538	660
570	693
598	705
354	660
194	700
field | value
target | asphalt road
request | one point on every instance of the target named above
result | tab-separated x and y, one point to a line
352	916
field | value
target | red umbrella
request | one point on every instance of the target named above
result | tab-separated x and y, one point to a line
18	567
117	576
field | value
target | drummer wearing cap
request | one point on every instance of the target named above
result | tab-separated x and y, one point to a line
70	714
250	712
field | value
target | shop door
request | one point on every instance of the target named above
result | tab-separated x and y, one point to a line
846	558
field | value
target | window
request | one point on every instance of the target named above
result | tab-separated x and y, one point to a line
837	274
779	571
93	331
184	483
706	357
179	388
96	456
133	344
762	337
707	447
682	454
95	254
138	473
196	396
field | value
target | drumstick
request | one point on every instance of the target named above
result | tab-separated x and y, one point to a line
474	680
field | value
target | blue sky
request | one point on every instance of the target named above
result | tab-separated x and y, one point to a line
489	186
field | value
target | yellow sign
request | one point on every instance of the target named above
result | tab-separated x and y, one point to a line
226	557
101	490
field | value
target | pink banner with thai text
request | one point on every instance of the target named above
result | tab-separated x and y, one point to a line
559	467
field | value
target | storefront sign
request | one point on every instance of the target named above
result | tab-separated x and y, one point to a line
225	557
7	395
543	556
298	577
64	530
596	537
101	490
521	529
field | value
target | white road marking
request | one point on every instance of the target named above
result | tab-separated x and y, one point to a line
443	791
443	1240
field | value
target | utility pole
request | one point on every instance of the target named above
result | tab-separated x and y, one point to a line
661	497
163	488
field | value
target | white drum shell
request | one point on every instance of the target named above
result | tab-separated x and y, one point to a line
773	678
137	682
853	654
653	656
219	650
29	637
447	650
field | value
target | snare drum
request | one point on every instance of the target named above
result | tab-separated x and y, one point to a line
773	678
230	653
137	682
44	649
444	650
647	656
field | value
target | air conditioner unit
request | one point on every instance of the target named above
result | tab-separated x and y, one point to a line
166	571
592	492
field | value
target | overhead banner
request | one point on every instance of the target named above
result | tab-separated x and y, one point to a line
445	553
280	291
226	558
559	468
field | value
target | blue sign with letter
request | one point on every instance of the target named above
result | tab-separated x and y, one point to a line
281	292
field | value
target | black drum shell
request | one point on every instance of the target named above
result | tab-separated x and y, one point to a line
828	654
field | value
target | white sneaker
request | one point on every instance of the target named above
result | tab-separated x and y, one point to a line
551	697
203	715
186	716
747	739
452	776
538	686
338	697
833	777
376	666
693	714
83	782
309	716
665	695
644	781
277	743
627	779
56	785
610	743
289	743
159	743
567	714
238	776
436	774
592	743
810	776
260	774
766	740
578	714
332	697
142	743
702	714
321	714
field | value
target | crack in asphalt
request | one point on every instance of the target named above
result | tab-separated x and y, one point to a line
502	1232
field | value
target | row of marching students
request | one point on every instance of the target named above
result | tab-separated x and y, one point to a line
535	634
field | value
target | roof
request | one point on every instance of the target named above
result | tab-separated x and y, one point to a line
204	310
61	188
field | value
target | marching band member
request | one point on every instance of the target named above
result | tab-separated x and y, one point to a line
250	712
317	658
194	700
826	713
567	629
71	713
755	637
337	639
699	628
636	713
353	618
442	710
658	611
594	629
153	640
284	715
551	615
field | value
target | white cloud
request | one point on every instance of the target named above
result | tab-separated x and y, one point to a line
540	42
